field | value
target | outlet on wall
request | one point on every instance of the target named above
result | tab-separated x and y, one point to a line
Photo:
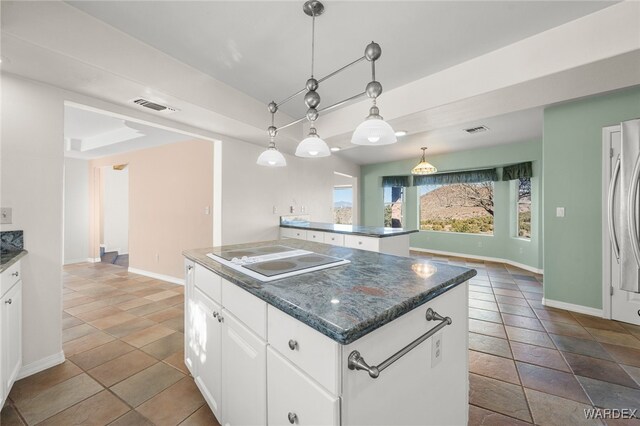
5	215
436	350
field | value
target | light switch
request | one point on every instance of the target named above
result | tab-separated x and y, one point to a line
559	211
5	215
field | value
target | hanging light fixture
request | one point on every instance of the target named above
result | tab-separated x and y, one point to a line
423	167
271	157
374	131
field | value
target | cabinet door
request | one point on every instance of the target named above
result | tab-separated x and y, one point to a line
207	349
294	398
244	380
11	335
189	334
362	243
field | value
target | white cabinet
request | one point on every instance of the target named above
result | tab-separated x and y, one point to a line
206	327
334	239
296	399
10	329
244	379
362	243
190	343
293	233
315	236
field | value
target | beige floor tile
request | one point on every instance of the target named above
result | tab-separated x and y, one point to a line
86	343
553	410
174	404
493	366
97	410
162	348
122	367
144	337
498	396
112	320
58	398
86	308
144	385
95	314
70	321
176	324
614	338
176	360
133	303
132	418
31	386
97	356
162	295
164	315
77	332
9	416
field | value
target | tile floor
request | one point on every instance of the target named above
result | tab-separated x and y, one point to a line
123	338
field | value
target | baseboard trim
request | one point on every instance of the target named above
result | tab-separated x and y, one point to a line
40	365
476	257
162	277
587	310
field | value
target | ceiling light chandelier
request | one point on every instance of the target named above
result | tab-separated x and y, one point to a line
373	131
423	167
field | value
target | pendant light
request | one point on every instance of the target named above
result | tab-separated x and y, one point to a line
373	130
423	167
271	157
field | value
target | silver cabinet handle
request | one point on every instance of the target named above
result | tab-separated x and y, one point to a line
612	228
15	274
220	318
189	267
633	210
357	362
293	418
360	242
293	345
215	314
8	302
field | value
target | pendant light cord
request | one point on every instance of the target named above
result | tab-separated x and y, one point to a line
313	41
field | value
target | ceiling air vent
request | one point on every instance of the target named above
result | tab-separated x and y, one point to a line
154	106
478	129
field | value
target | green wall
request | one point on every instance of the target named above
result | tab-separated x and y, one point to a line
572	158
502	244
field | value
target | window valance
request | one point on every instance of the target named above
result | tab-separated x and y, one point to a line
469	176
517	171
391	181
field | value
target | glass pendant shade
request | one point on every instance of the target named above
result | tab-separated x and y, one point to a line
423	167
271	157
374	131
312	146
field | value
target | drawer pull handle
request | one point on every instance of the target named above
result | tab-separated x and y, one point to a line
15	274
357	362
293	345
293	418
220	318
360	242
189	268
215	314
8	302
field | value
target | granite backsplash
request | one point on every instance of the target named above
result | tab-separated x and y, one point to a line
11	241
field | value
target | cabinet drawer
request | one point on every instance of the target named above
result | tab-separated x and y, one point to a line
208	282
246	307
334	239
291	393
313	352
9	278
362	243
300	234
315	236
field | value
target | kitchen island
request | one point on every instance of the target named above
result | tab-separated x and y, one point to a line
379	340
383	240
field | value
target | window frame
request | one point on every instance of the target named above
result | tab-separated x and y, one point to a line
516	207
403	205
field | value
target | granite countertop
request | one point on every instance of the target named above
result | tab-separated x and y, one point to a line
366	231
346	302
8	258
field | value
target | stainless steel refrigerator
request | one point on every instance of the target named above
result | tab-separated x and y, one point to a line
624	214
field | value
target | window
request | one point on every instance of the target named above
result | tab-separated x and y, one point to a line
393	207
523	208
343	205
459	207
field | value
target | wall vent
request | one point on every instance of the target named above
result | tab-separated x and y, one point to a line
153	105
478	129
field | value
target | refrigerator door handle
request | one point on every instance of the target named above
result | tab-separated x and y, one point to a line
612	229
633	210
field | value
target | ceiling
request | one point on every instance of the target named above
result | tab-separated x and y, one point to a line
262	47
91	134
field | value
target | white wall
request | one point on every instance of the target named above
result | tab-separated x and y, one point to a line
115	205
76	210
250	192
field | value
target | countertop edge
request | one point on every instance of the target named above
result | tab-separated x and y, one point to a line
347	337
13	260
362	234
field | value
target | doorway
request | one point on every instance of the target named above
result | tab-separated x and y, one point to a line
114	215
